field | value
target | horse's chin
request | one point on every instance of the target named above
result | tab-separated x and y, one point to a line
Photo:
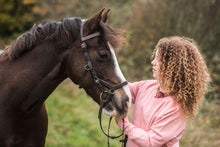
110	109
112	113
109	113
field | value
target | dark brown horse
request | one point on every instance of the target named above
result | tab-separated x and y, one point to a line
40	59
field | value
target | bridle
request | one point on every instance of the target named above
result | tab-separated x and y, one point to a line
99	82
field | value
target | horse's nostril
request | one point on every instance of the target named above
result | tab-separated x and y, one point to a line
126	102
126	105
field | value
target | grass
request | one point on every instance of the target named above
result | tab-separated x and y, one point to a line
73	122
73	119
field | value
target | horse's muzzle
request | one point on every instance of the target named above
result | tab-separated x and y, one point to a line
118	106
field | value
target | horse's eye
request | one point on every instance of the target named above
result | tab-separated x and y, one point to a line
103	55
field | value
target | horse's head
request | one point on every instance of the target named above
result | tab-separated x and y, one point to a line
102	79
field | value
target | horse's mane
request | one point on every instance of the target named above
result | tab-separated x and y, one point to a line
114	36
64	31
39	32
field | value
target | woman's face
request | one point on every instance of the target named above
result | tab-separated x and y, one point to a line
156	66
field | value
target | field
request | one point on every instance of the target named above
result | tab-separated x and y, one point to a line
73	122
73	119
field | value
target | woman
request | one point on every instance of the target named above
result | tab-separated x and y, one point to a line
161	106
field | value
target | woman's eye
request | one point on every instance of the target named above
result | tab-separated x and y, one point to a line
103	55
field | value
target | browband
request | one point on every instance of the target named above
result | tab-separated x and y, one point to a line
90	36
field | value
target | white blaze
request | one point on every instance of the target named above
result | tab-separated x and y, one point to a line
1	51
119	73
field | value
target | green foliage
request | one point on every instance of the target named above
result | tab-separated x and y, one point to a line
152	20
16	16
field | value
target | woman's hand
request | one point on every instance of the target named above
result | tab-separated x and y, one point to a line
117	119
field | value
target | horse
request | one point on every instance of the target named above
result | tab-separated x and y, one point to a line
31	68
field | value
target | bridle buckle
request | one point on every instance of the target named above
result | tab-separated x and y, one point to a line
83	45
109	92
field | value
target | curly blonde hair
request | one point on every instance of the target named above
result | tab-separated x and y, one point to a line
183	72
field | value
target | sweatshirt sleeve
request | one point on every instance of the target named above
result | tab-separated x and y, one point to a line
168	128
135	87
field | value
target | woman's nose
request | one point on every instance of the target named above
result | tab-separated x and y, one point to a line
153	62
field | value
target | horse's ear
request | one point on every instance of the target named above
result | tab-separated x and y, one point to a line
94	21
105	16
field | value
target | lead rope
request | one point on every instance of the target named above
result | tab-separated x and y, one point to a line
100	122
123	139
109	124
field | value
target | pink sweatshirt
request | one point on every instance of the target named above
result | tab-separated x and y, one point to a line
156	122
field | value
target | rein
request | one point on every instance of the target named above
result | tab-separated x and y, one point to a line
99	82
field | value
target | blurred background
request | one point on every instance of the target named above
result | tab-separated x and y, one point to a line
72	114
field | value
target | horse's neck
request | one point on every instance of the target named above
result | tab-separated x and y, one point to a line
34	76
